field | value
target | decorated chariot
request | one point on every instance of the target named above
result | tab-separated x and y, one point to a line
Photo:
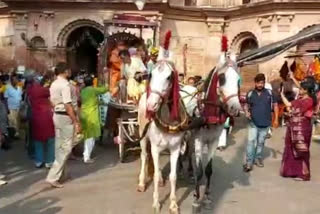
122	113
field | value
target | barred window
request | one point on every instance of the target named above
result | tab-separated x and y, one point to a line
38	42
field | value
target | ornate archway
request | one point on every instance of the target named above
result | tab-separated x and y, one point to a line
244	42
240	38
82	49
63	36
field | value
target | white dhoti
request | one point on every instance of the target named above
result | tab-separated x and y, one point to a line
223	138
88	148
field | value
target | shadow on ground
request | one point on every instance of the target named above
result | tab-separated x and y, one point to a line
46	205
22	175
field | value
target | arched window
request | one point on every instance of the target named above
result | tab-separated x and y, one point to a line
190	3
246	1
38	42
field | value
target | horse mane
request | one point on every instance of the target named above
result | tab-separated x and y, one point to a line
175	96
213	112
208	79
211	92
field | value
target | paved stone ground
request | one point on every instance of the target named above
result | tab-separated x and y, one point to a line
108	187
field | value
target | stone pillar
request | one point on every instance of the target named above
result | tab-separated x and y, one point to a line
49	17
274	28
267	37
177	2
216	28
157	39
20	27
203	2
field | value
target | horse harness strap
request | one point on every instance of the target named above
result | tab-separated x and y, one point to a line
163	122
145	130
226	99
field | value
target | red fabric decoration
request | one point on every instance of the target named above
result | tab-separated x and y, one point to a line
175	96
213	112
224	43
167	40
212	91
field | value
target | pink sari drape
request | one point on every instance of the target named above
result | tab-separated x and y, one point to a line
296	156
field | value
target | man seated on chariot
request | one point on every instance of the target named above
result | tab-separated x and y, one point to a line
133	69
153	59
114	66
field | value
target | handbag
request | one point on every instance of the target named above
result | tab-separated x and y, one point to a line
24	111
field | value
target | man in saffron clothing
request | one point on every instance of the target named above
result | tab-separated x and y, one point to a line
114	65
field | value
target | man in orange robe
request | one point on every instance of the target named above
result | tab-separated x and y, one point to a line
115	63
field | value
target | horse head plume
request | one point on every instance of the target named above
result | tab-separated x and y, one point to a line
167	40
224	44
164	52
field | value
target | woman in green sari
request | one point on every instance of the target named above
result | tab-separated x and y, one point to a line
89	116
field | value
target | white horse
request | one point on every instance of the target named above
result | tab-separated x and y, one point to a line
161	84
227	91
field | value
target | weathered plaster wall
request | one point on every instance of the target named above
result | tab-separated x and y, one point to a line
195	35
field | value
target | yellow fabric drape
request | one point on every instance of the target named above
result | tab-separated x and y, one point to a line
317	69
300	72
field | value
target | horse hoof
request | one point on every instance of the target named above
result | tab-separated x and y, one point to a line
161	183
141	188
196	208
156	209
174	210
207	204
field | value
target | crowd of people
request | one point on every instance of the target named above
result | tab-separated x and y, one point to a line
61	109
299	108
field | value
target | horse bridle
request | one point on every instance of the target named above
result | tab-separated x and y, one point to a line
223	98
164	96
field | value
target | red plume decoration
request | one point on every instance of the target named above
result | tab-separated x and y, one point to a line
224	43
167	40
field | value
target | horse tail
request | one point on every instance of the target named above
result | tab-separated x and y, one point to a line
150	163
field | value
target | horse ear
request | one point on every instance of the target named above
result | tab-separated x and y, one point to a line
222	59
233	57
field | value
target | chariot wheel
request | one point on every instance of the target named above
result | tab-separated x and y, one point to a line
121	152
121	143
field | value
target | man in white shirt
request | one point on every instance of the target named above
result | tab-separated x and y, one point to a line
66	124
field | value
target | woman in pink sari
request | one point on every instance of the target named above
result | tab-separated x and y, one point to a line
296	155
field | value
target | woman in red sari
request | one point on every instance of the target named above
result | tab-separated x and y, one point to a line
296	156
42	122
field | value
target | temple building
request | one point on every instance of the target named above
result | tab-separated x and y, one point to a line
43	32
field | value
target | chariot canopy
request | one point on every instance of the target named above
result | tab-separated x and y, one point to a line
123	21
270	51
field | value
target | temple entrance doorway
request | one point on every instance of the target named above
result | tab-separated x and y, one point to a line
248	72
82	49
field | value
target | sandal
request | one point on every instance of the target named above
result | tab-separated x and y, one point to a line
247	168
